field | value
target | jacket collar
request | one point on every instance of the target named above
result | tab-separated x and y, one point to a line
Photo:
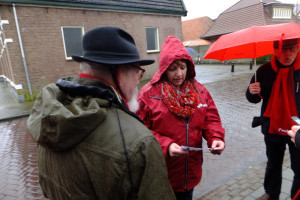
77	86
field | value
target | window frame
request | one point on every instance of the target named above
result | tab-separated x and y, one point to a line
282	13
156	42
64	42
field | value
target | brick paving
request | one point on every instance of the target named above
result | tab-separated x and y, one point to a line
18	162
236	174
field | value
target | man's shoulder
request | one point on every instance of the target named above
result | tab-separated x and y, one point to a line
266	67
132	125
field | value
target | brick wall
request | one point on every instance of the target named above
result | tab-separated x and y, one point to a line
41	34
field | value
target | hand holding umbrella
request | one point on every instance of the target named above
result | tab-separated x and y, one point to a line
254	88
252	42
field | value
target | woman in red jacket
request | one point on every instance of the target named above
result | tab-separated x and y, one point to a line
180	112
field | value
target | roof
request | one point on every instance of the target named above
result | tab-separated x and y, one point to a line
198	42
193	29
173	7
243	14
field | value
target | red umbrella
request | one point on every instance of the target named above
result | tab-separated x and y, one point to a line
252	42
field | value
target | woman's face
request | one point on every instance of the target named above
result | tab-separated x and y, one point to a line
176	73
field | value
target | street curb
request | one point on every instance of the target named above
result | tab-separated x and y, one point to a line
14	117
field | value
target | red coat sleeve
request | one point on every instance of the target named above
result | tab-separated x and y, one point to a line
145	114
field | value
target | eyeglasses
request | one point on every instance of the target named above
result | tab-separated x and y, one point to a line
141	71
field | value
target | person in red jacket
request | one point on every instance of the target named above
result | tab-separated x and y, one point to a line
276	86
180	112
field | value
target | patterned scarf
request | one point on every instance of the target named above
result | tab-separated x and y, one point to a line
282	106
181	102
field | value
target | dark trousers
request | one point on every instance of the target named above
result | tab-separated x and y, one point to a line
188	195
273	177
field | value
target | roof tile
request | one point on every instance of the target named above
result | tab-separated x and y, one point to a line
243	14
159	6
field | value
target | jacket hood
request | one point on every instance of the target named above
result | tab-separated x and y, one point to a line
172	50
65	113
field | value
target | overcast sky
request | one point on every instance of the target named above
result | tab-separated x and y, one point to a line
213	8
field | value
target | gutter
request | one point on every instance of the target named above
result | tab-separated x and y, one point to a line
22	51
87	5
184	8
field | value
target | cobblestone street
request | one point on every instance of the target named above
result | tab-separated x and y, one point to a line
239	170
244	145
18	162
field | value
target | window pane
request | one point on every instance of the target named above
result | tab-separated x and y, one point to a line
152	39
72	41
282	13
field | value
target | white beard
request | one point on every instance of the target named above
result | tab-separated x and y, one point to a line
132	103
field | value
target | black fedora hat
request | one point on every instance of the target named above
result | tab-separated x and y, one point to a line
110	45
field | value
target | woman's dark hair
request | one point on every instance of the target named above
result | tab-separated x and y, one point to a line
188	73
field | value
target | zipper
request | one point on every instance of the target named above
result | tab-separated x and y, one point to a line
187	155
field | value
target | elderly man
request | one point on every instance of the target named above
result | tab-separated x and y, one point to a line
90	144
278	86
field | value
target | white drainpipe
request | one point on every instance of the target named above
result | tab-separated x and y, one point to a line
22	51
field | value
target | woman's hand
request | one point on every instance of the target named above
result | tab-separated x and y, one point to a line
217	144
175	150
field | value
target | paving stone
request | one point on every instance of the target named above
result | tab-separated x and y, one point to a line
288	174
234	192
233	187
284	196
257	193
256	186
249	198
225	197
236	198
246	192
286	186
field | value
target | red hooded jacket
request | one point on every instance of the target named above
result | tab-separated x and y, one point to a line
168	128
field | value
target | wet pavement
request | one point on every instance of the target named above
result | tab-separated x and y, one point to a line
239	171
9	106
18	162
236	174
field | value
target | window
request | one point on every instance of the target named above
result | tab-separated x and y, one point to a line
282	13
152	39
72	37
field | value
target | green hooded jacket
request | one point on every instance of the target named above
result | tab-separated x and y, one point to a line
78	125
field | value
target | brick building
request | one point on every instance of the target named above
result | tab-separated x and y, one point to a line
38	37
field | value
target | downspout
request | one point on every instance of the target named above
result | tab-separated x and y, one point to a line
22	51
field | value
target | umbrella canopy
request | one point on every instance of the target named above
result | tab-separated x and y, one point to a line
191	50
252	42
